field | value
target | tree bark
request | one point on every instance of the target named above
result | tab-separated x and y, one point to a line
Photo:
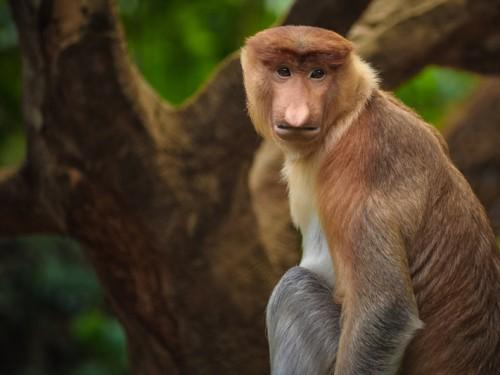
186	248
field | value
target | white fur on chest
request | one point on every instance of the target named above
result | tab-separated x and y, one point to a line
316	257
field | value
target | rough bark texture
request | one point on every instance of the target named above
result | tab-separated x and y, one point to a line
400	37
185	247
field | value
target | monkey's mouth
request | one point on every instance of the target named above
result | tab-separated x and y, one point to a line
290	132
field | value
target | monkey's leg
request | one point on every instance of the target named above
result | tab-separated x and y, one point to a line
303	325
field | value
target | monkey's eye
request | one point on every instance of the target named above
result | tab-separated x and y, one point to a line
317	73
283	71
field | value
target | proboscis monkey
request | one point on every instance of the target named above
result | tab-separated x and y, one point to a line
400	272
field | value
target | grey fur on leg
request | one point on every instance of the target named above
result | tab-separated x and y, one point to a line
303	325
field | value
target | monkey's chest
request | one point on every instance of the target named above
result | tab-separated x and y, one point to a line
315	252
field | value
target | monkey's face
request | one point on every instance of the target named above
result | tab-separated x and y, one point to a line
291	81
299	94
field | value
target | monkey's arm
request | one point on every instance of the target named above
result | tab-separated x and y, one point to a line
379	313
303	325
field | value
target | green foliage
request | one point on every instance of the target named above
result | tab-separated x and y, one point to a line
52	314
102	339
182	41
436	91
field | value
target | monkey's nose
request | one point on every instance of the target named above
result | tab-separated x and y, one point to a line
296	115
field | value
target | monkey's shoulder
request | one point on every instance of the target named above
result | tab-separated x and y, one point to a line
398	132
388	149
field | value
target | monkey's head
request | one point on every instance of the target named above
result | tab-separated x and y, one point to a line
296	82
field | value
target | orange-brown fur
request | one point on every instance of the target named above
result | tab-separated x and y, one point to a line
454	265
405	232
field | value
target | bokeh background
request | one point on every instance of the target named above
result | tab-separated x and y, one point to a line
53	314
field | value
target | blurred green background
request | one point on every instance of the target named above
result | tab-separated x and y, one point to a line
53	316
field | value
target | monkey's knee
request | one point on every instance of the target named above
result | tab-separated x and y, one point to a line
302	324
298	285
298	278
299	292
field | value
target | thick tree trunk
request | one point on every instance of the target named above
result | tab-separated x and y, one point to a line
185	247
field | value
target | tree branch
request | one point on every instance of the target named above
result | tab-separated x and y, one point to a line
400	37
334	15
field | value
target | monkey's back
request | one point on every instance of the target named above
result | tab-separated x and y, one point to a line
453	259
